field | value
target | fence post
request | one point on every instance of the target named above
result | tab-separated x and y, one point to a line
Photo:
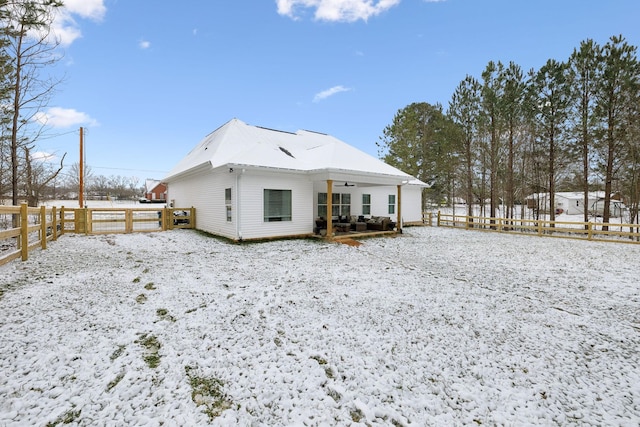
24	232
192	221
539	227
169	219
589	230
128	220
62	220
80	220
54	223
43	227
438	221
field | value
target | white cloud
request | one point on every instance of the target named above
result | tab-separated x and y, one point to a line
43	156
144	44
91	9
336	10
58	117
65	26
329	92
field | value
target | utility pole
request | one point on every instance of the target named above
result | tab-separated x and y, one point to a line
81	171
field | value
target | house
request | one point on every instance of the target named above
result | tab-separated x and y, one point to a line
154	192
572	203
616	208
249	182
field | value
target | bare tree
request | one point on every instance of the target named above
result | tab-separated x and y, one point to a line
38	176
28	42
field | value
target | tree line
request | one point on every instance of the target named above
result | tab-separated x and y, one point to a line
97	187
570	125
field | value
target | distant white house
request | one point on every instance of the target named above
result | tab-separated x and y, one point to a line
572	203
249	182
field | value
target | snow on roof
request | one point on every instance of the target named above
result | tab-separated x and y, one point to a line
150	184
238	144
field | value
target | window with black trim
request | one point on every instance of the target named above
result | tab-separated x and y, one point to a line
227	203
277	205
366	204
392	203
322	205
340	204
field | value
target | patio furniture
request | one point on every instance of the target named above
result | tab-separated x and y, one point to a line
359	226
342	227
380	223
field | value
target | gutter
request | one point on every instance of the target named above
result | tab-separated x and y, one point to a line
237	204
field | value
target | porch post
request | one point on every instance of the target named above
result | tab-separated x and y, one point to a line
329	208
399	209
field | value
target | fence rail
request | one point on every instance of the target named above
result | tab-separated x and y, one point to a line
610	232
24	228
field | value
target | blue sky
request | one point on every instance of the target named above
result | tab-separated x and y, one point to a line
148	79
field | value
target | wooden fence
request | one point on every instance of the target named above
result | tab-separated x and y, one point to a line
24	228
125	220
610	232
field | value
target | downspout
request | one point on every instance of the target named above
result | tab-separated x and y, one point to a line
238	228
329	209
399	209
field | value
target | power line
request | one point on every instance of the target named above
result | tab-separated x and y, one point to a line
125	169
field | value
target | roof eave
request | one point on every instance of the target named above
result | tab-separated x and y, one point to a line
188	172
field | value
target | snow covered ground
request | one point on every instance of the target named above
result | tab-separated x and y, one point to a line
433	327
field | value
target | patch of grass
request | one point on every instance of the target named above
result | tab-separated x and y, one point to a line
151	346
136	280
335	396
146	270
163	314
191	310
115	381
329	372
150	286
356	415
208	392
66	418
117	352
322	362
141	299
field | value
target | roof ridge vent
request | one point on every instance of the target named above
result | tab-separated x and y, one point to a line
275	130
313	131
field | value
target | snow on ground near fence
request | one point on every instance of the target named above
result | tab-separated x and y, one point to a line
433	327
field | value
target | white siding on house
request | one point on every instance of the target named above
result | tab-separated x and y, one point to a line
205	192
253	225
411	203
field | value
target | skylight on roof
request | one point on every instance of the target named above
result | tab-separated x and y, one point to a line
285	151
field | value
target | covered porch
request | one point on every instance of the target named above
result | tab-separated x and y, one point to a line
349	206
